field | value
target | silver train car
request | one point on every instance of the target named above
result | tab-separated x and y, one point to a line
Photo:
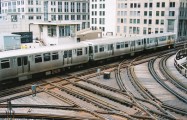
25	64
112	47
22	64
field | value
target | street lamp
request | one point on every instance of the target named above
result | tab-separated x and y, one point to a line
30	26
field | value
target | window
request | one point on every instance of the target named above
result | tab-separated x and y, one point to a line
150	13
157	22
14	18
145	5
145	21
126	44
47	57
163	4
117	45
55	56
86	50
145	13
162	22
79	52
51	31
96	49
38	58
162	13
157	13
31	17
150	21
150	5
157	4
171	13
5	64
122	44
172	4
101	48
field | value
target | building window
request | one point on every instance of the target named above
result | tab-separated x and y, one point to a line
172	4
145	5
59	6
157	13
31	17
144	30
72	17
72	7
66	17
14	18
30	2
163	4
150	21
38	17
60	17
79	7
53	17
156	30
150	5
145	13
79	17
162	13
145	21
171	13
162	22
150	13
118	29
51	31
157	4
157	22
66	6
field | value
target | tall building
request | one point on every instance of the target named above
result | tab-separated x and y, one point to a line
60	17
139	17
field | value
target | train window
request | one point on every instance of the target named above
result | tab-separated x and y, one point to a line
5	64
79	52
117	45
101	48
19	61
126	44
162	38
86	50
139	42
122	45
47	57
55	56
70	53
25	60
65	54
110	46
38	58
96	49
147	40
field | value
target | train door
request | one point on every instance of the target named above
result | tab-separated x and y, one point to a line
110	50
23	65
132	47
145	43
67	58
156	41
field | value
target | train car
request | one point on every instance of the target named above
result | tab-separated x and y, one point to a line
23	64
159	40
111	47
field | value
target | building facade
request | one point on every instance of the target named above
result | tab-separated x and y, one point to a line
59	16
139	17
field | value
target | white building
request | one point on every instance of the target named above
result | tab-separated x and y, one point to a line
139	17
59	18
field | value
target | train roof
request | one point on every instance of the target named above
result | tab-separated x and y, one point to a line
107	40
22	52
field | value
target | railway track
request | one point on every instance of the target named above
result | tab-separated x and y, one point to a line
171	78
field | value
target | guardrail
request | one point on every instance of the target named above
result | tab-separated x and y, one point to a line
180	55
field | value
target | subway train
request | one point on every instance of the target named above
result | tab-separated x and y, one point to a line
25	64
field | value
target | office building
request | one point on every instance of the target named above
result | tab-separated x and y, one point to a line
139	17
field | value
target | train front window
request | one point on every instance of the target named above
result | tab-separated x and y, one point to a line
25	60
55	56
126	44
38	58
5	64
47	57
